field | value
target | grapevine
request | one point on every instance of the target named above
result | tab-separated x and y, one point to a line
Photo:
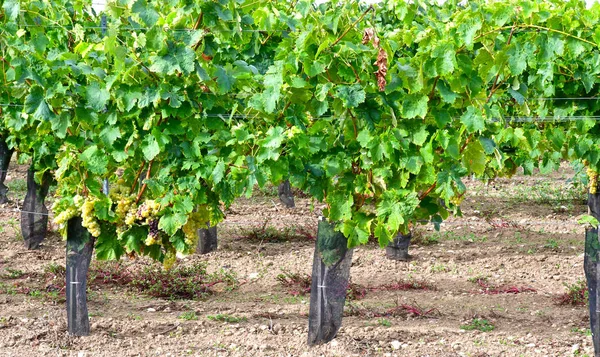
379	112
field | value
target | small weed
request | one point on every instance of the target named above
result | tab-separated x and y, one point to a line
577	294
422	239
13	274
17	186
355	292
582	331
7	289
403	285
477	279
478	324
133	316
518	238
226	318
494	290
439	268
109	273
14	224
188	316
181	282
384	322
300	285
55	269
54	297
400	310
295	284
35	293
551	244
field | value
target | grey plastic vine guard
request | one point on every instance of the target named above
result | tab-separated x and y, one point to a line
330	278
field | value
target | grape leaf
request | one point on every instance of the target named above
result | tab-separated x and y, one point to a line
351	96
414	105
473	120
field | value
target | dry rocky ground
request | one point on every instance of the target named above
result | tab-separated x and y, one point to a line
521	232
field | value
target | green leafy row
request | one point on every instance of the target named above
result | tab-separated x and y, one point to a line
378	111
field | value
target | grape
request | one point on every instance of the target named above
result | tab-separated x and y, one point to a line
593	176
130	218
123	206
153	228
170	259
152	233
190	230
89	220
148	209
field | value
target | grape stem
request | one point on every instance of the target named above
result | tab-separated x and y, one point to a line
137	177
351	26
139	196
198	22
428	191
432	93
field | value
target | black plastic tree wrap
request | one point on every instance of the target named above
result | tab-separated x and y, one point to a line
398	248
80	245
34	214
5	156
591	267
285	194
207	239
330	278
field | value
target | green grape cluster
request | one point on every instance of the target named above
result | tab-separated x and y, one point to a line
66	209
89	219
63	217
170	259
78	206
593	176
149	208
195	221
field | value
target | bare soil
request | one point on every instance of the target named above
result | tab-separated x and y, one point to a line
515	232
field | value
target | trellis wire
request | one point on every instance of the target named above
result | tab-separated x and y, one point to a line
531	119
511	223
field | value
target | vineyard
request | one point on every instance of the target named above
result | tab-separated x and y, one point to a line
513	234
149	127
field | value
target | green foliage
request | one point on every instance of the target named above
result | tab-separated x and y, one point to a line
226	318
191	282
576	294
478	324
379	112
188	316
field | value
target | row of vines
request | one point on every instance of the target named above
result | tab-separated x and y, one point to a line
379	111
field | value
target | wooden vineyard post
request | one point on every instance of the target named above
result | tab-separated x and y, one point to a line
398	248
34	214
5	156
592	271
207	239
330	278
80	245
285	194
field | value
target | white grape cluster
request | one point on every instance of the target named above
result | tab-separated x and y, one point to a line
81	206
196	220
593	177
144	214
89	220
64	216
170	259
